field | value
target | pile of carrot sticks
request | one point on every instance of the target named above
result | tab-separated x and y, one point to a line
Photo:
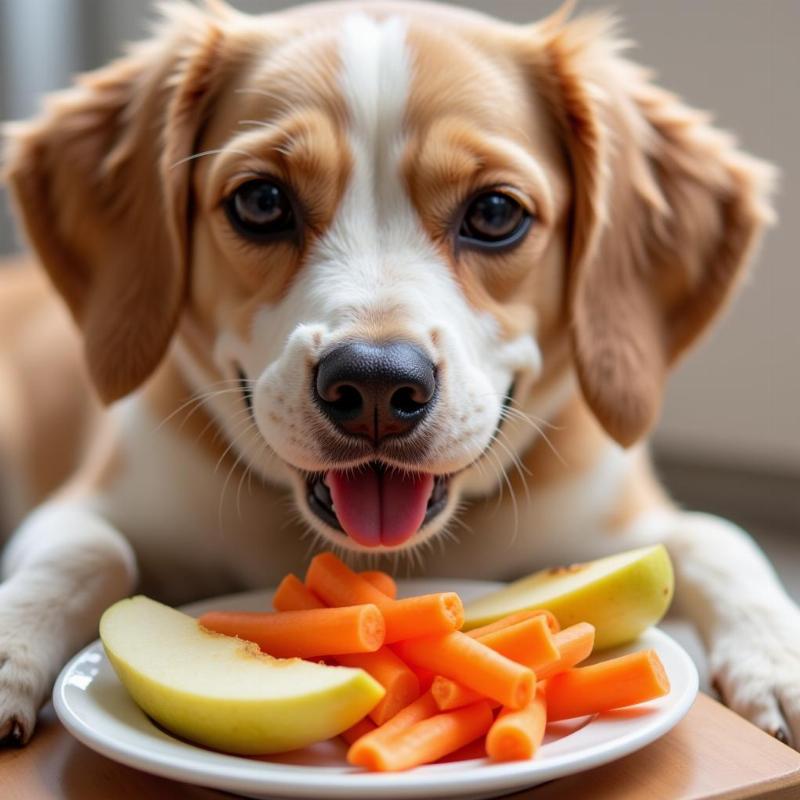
488	691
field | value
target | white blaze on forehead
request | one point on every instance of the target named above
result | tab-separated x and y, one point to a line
376	256
375	78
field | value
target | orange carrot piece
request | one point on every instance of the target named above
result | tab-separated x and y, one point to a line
382	581
574	644
516	735
529	643
424	615
401	684
422	708
424	676
361	728
449	695
293	595
618	682
471	663
476	749
513	619
304	634
428	740
337	585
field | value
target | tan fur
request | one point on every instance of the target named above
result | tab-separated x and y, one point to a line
96	189
666	214
47	416
645	217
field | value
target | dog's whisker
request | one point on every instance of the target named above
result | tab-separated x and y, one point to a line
198	400
541	433
512	495
232	469
259	123
261	92
215	152
522	471
247	428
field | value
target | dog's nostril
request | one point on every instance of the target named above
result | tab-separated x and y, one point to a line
346	399
408	400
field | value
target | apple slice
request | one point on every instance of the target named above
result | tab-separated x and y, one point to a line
223	692
621	595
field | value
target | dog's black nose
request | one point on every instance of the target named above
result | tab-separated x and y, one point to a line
375	390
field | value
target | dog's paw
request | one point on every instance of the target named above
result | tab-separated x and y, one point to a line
23	687
755	666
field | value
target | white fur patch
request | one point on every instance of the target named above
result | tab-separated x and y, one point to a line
376	264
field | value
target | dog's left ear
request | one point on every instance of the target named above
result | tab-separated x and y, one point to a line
665	213
101	187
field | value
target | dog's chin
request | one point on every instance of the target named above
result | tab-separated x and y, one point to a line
315	502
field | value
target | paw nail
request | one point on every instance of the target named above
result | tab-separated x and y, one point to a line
781	735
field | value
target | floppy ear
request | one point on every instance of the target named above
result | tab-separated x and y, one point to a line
665	213
104	208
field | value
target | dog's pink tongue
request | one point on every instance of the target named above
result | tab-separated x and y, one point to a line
378	508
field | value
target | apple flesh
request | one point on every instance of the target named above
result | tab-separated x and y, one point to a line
223	692
621	595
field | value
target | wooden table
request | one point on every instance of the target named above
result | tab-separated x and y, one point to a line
712	753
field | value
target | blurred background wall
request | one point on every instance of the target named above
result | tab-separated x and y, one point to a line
735	403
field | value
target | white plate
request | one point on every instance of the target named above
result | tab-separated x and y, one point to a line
96	709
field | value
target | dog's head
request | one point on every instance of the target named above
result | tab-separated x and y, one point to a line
379	237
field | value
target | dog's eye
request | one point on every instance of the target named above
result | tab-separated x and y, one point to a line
260	209
494	219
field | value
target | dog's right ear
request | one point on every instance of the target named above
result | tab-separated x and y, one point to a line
104	204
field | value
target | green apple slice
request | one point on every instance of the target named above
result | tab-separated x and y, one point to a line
621	595
223	692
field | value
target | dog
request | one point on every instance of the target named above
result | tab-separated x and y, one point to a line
352	275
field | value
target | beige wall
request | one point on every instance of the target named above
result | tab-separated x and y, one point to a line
737	398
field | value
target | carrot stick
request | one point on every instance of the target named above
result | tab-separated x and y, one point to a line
574	645
361	728
401	684
618	682
424	676
529	643
516	735
461	658
476	749
422	708
304	634
513	619
293	595
428	740
382	581
424	615
449	695
337	585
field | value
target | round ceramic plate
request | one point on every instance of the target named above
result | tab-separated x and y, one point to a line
95	708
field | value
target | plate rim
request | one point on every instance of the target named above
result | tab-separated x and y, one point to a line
245	775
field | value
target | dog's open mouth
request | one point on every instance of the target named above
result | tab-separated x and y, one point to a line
376	505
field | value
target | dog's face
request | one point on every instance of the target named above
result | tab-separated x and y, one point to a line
376	242
386	232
